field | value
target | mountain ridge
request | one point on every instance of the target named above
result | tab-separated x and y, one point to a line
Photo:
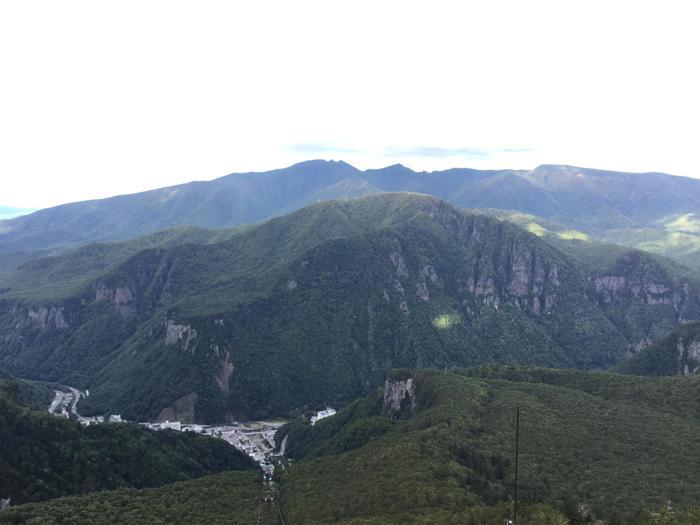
652	210
338	292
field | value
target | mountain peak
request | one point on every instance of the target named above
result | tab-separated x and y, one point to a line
323	163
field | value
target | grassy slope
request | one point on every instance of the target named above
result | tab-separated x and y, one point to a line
231	498
601	439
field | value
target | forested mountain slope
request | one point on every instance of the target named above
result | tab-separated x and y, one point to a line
439	448
44	457
317	306
678	353
650	211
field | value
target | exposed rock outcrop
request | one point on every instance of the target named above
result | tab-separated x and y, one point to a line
529	283
398	394
47	318
224	374
120	296
400	265
688	357
180	334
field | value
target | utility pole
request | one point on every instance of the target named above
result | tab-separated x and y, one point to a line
515	488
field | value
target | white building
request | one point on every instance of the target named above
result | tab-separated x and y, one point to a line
173	425
323	413
115	418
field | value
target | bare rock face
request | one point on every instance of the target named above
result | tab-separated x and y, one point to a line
400	265
47	318
688	357
422	292
121	297
610	288
530	283
429	273
397	393
400	273
179	334
224	374
641	345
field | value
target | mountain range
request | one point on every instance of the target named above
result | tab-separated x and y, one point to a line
651	211
318	305
427	307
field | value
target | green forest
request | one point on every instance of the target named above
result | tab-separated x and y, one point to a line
45	457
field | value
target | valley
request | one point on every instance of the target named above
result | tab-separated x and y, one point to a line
256	439
316	307
436	447
427	324
349	263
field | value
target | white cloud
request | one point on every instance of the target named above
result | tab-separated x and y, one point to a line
103	98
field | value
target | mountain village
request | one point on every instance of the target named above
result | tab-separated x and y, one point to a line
254	438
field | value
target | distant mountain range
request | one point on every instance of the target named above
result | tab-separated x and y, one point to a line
318	305
254	295
651	211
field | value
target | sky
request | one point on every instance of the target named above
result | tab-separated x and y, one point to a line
104	98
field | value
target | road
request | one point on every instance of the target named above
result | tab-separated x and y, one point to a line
57	400
62	399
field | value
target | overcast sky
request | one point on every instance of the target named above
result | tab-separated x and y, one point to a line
101	98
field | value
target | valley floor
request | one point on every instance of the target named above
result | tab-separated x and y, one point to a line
254	438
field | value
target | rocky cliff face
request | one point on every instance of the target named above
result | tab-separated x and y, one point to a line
637	277
525	281
399	395
182	335
47	318
609	288
120	297
281	315
493	274
688	357
676	354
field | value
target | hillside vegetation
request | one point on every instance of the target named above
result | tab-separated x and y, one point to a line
44	457
676	354
438	448
315	307
616	447
650	211
230	498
